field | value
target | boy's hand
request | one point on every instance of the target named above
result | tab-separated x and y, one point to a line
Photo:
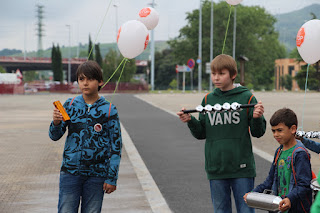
258	110
284	204
245	197
184	117
57	117
108	188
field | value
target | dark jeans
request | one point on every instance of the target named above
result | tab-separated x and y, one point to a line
73	188
221	194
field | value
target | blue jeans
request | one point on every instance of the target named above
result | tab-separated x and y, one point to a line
72	188
221	194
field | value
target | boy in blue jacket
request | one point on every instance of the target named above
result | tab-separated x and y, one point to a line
92	149
290	173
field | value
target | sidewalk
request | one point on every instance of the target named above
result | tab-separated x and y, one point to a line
30	163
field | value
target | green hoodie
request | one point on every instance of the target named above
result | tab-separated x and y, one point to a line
228	148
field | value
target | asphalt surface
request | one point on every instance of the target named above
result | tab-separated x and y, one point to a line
173	157
30	161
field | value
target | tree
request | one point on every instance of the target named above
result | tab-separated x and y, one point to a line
2	70
111	63
286	81
29	76
314	73
256	39
165	69
90	52
59	65
54	63
313	78
98	55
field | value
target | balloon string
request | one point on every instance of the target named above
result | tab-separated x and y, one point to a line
305	92
225	37
119	79
113	73
99	30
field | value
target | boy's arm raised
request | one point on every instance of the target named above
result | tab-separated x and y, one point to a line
310	144
257	121
198	127
58	126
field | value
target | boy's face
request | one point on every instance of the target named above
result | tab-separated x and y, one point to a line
222	80
88	86
284	134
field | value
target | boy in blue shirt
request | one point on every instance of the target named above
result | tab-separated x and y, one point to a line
92	149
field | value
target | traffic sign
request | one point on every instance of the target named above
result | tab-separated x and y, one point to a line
198	60
208	68
191	63
182	68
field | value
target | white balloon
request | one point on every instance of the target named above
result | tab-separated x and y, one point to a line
132	39
233	2
149	16
308	41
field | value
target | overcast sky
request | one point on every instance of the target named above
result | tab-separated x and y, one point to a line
18	19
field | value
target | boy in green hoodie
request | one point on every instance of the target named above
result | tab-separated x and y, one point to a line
229	161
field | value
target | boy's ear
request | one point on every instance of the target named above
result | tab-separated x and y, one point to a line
100	83
234	77
293	129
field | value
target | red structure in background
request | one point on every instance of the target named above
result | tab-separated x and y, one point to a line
123	87
12	88
34	63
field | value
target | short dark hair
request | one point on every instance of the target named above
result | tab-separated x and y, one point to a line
284	115
224	61
91	70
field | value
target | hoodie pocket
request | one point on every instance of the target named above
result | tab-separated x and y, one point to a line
226	156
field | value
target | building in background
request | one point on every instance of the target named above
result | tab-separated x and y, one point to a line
283	67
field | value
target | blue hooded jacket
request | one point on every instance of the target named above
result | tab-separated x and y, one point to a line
300	193
93	145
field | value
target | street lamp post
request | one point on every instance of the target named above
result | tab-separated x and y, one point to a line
200	49
211	43
69	55
116	6
152	55
234	33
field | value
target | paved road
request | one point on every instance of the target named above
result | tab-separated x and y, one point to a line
174	158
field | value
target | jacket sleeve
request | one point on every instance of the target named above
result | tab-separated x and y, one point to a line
115	148
312	145
267	184
198	127
56	132
257	125
303	177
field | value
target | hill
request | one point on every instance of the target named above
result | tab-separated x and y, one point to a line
6	52
288	24
83	50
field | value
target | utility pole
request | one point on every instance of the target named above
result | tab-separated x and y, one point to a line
116	6
69	55
211	44
200	49
39	11
152	55
234	32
